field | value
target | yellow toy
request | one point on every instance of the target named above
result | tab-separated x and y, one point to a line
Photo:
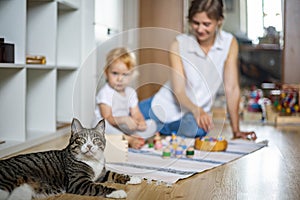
211	144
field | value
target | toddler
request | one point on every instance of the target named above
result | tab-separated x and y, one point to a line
117	103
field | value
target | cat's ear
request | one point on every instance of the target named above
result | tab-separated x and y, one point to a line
100	127
76	126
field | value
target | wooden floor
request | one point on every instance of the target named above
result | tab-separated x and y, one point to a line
270	173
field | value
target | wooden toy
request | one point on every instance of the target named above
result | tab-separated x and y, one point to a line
174	142
287	102
179	152
158	145
150	145
166	153
211	144
182	144
156	138
190	152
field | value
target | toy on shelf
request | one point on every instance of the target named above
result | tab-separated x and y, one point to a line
35	59
253	98
287	102
211	144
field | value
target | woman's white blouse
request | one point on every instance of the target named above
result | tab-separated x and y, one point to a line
203	73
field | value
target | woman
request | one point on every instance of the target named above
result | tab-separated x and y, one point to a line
201	61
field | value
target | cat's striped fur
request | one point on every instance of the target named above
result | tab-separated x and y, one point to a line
77	169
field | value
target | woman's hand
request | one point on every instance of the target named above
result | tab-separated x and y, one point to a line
203	119
245	135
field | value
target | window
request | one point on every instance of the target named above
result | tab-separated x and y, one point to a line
262	14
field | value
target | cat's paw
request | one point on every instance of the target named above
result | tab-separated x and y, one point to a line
118	194
134	180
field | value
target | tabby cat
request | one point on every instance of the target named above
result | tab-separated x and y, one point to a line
77	169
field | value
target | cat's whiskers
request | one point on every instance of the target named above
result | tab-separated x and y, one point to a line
89	149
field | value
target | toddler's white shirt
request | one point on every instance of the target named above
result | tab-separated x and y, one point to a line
120	104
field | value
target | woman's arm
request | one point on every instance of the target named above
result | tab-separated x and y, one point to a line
231	83
178	84
232	90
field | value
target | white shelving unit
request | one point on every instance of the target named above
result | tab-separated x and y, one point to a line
34	98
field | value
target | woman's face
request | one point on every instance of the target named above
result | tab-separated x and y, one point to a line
118	75
203	27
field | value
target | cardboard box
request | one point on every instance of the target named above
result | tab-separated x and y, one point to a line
116	149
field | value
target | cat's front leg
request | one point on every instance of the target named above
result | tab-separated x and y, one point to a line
134	180
90	188
125	179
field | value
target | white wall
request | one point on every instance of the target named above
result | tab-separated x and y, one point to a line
118	15
108	15
83	107
232	18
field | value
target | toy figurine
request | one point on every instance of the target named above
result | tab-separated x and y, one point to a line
190	152
166	153
179	152
158	145
156	138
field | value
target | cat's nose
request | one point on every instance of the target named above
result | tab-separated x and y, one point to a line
89	146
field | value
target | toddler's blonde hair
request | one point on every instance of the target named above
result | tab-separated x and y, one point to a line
122	54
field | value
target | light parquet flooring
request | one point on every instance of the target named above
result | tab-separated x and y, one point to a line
270	173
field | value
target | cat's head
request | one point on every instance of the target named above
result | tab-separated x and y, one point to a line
87	143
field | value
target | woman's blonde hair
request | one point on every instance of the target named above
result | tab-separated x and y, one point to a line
122	54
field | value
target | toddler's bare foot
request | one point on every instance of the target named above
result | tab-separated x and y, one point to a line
135	141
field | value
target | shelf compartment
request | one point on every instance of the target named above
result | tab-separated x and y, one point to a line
65	88
12	98
40	100
41	30
13	26
68	38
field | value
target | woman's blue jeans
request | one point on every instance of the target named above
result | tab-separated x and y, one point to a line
186	126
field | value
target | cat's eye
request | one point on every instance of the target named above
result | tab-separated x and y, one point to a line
80	140
96	140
